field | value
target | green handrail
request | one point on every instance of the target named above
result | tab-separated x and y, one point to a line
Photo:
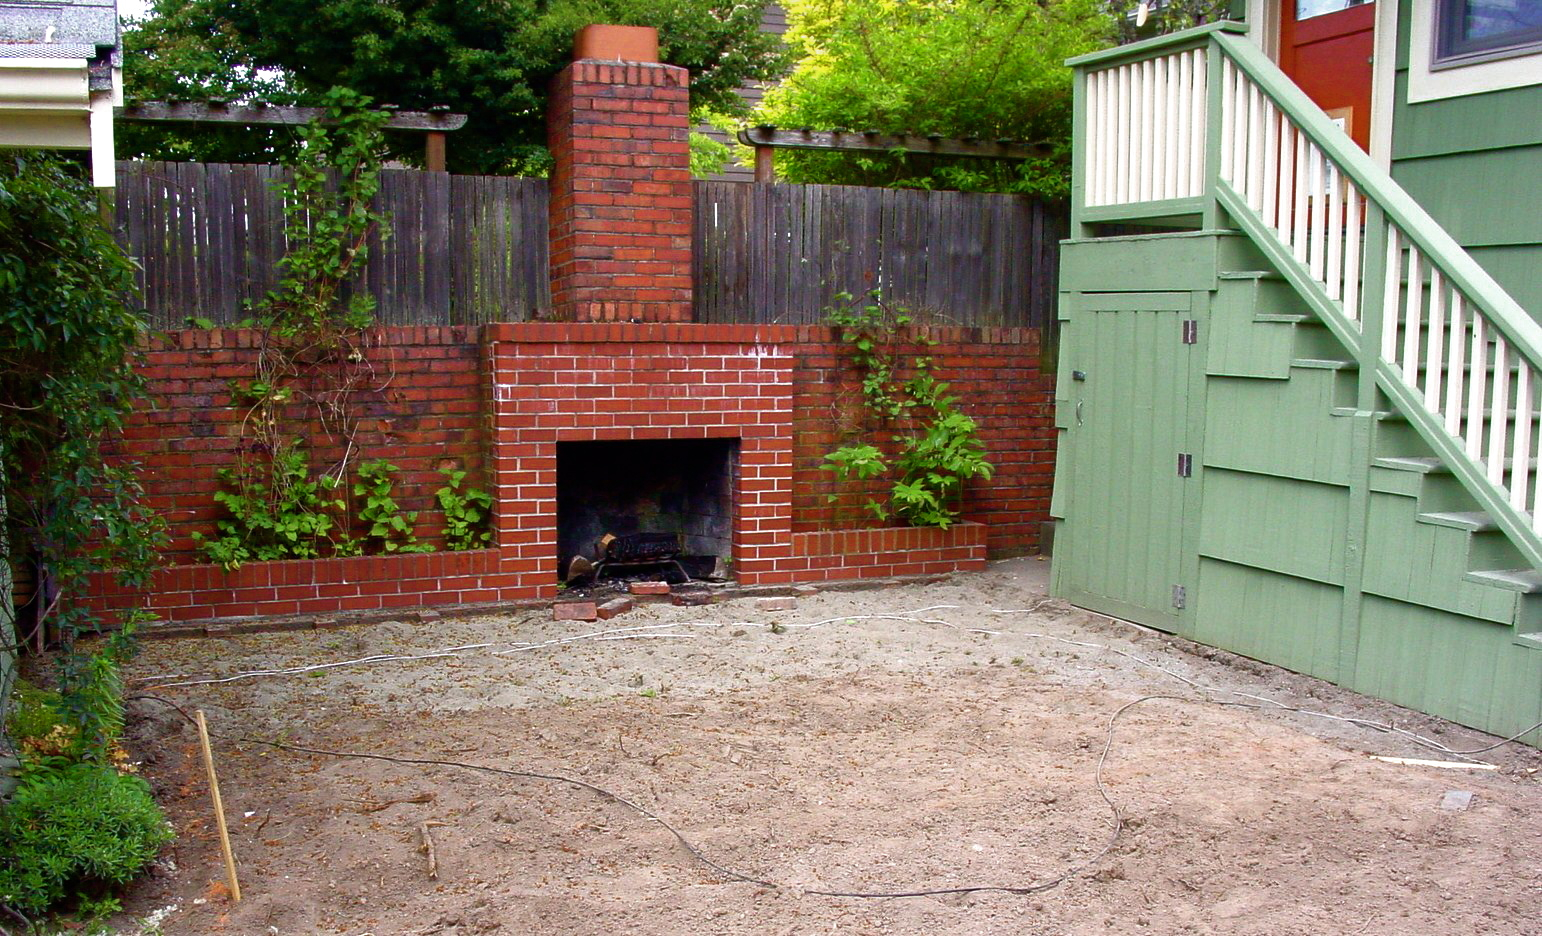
1411	220
1161	45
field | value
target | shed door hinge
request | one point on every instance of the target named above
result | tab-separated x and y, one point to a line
1185	465
1180	597
1190	331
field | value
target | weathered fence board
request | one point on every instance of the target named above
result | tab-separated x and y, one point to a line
472	249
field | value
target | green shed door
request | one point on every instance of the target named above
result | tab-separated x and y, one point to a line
1127	364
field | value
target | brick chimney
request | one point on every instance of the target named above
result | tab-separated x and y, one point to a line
618	128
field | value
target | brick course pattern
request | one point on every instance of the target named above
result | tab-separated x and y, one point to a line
620	205
502	400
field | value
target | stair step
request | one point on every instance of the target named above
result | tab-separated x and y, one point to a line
1251	275
1525	581
1430	464
1399	415
1473	521
1287	318
1323	364
1417	463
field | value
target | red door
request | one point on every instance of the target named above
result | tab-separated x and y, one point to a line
1326	48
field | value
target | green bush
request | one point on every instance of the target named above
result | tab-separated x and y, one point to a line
75	833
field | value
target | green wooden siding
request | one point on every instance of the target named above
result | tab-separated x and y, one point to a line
1294	543
1473	163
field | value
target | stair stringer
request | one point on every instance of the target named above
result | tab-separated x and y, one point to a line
1425	569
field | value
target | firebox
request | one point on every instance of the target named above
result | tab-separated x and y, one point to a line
638	494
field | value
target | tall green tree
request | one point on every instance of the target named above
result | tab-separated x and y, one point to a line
490	59
990	69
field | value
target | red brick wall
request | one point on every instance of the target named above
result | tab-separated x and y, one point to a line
422	409
502	400
995	373
620	193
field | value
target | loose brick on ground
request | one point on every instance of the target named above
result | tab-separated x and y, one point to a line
615	607
574	611
648	588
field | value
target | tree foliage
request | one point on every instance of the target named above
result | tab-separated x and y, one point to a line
490	59
990	69
67	383
67	341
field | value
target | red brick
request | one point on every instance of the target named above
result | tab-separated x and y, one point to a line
574	611
648	588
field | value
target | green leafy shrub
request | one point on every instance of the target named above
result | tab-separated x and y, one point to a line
385	521
467	512
286	515
74	833
938	446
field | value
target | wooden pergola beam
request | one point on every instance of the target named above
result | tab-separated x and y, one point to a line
435	123
766	139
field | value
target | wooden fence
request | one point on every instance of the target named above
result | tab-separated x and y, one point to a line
779	253
472	249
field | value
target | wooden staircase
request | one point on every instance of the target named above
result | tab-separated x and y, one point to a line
1362	414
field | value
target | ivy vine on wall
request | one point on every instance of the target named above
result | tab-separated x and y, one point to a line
315	358
934	446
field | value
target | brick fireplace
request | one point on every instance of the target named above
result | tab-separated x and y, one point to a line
622	364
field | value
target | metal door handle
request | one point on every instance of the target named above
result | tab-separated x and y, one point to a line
1078	412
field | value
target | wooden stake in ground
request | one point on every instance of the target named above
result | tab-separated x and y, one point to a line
427	848
219	807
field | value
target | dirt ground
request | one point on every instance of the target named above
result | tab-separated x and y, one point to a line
854	743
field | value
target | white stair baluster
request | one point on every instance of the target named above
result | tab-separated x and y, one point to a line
1458	347
1303	179
1389	297
1287	179
1157	167
1239	137
1145	108
1520	468
1176	111
1270	196
1352	252
1199	108
1476	371
1319	209
1437	343
1123	139
1499	420
1255	175
1228	118
1335	271
1413	320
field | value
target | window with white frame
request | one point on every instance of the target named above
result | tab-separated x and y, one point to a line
1461	47
1468	31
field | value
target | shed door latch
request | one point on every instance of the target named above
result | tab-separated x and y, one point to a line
1180	597
1190	331
1185	465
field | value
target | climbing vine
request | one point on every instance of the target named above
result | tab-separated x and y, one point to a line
935	446
314	353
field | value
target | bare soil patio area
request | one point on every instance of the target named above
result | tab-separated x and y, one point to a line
902	738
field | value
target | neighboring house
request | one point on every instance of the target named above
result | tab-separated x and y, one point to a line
1300	419
773	21
61	75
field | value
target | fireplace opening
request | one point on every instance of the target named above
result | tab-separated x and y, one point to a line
655	507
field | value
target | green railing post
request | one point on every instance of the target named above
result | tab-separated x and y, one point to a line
1213	91
1373	288
1079	228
